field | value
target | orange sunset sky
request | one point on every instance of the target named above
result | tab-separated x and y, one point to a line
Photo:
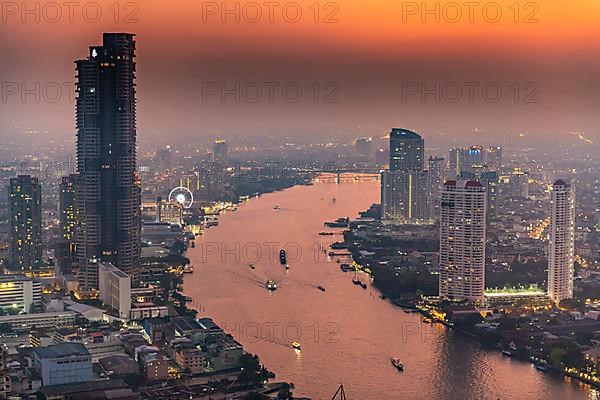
371	50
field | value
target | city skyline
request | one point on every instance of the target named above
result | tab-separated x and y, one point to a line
299	200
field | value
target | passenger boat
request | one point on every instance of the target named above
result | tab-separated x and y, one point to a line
282	257
397	363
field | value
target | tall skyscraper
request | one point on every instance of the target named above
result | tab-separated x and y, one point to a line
436	181
462	240
407	151
64	250
364	147
466	160
221	151
25	202
562	242
108	190
405	186
518	183
491	182
493	159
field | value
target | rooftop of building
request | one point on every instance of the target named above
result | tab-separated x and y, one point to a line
404	133
60	350
5	278
119	364
186	324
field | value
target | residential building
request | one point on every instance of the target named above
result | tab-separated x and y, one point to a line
462	240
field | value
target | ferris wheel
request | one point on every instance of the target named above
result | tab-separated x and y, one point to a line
182	195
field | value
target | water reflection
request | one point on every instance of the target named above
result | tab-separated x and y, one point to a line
348	334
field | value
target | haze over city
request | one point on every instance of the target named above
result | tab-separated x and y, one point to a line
299	200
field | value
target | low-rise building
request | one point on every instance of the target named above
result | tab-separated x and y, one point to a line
63	363
19	293
27	322
115	289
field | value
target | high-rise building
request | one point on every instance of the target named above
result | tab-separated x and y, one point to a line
404	188
64	251
407	151
493	159
436	181
562	242
25	202
518	183
364	147
108	189
462	240
491	181
221	151
466	160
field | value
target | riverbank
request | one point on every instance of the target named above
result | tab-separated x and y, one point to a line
348	334
409	280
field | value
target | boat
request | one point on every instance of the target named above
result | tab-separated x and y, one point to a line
356	281
339	246
276	207
271	285
363	284
542	367
252	266
507	353
282	257
297	346
347	267
321	288
397	363
323	233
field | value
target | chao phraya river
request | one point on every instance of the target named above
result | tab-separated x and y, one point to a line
347	334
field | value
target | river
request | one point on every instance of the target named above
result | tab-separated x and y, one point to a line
347	334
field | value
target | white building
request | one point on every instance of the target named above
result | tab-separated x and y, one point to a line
562	242
462	240
115	289
19	293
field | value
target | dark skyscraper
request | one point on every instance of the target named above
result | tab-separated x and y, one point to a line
65	247
407	150
221	152
25	199
108	190
405	186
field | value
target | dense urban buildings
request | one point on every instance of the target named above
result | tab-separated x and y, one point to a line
108	190
561	241
462	240
25	202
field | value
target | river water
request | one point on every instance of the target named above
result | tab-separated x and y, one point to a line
347	334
